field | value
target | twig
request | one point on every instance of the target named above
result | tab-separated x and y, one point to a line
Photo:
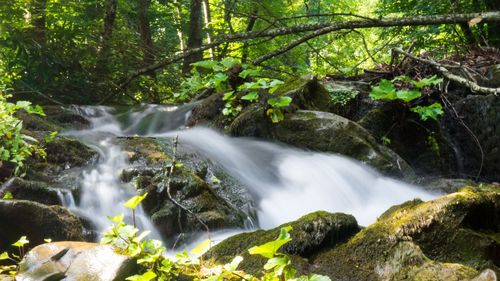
167	185
474	87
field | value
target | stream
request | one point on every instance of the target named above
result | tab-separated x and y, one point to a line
285	182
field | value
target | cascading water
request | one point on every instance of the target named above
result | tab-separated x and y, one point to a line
285	182
288	183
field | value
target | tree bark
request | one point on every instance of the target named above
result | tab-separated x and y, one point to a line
148	50
318	30
178	23
493	27
251	23
195	38
109	21
208	28
36	16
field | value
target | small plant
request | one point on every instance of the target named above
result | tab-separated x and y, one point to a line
214	76
386	90
16	147
149	254
12	269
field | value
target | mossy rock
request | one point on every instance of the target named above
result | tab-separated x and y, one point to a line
327	132
310	234
35	191
306	93
450	238
37	222
423	144
150	168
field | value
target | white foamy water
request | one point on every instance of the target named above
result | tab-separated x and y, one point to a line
285	182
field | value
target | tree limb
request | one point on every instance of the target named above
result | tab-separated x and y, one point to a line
317	29
450	76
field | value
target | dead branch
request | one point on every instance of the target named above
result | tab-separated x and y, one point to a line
473	86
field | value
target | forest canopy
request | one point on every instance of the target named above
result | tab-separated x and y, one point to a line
141	51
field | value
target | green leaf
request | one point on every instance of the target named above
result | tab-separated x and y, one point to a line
8	196
384	90
269	249
276	261
429	81
279	102
4	256
207	64
275	114
21	242
408	95
228	62
133	202
23	104
432	111
249	72
149	275
227	96
252	96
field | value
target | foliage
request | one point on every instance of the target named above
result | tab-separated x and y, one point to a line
12	269
409	92
155	266
15	146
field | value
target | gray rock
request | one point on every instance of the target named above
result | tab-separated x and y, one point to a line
74	261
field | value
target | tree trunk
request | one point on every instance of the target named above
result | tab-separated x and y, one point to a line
148	50
208	28
109	21
178	23
195	38
37	19
493	27
250	25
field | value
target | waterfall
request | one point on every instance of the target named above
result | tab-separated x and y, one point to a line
285	182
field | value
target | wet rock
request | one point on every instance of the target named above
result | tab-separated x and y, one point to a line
75	261
310	234
349	99
449	238
189	187
443	185
481	116
30	190
423	145
37	222
327	132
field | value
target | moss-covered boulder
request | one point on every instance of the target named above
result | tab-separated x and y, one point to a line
310	234
450	238
322	131
37	222
30	190
150	166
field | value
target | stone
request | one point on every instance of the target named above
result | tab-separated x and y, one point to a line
30	190
327	132
453	237
190	186
73	261
37	222
310	234
423	144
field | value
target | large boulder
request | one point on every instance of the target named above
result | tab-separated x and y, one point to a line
190	187
310	234
30	190
322	131
476	135
450	238
37	222
73	261
423	144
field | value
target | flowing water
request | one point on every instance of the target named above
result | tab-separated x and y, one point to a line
285	182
